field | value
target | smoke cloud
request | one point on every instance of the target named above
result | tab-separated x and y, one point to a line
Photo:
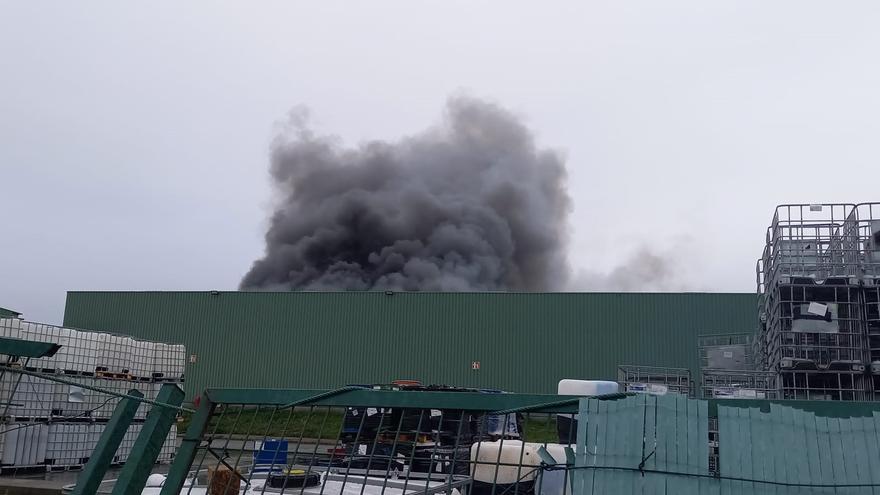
470	204
647	269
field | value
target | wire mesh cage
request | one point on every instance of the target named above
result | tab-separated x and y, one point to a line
730	351
818	327
655	379
865	227
382	441
54	421
54	405
827	385
817	320
808	241
739	384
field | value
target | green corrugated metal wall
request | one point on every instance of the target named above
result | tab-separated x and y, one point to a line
8	313
525	342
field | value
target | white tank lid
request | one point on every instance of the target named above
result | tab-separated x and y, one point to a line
587	387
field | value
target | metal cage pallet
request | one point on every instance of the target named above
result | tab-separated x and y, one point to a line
54	419
739	384
88	353
655	379
732	351
818	316
827	385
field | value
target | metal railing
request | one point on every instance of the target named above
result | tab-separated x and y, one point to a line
375	441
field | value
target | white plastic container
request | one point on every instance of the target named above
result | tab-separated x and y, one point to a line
28	398
587	388
69	444
114	353
25	444
102	405
178	361
39	332
10	328
169	361
73	401
81	355
161	360
61	336
142	354
516	462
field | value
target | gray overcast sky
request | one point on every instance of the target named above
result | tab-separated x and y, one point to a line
134	136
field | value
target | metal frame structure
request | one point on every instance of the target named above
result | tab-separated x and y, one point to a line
739	384
640	378
406	443
814	283
630	442
150	439
709	345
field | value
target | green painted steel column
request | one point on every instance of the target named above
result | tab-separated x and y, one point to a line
149	442
580	475
101	458
183	460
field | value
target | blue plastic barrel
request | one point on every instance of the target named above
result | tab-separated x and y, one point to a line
272	452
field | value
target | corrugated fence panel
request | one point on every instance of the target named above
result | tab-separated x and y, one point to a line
523	342
634	444
838	455
647	444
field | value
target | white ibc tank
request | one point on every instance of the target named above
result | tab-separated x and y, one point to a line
587	387
82	352
25	444
511	460
10	328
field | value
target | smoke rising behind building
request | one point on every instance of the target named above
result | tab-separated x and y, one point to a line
469	204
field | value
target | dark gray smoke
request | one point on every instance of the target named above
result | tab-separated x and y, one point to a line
471	204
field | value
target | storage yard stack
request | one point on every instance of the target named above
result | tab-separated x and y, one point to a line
864	225
57	425
654	379
727	369
816	280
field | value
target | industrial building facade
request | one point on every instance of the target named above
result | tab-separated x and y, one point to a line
521	342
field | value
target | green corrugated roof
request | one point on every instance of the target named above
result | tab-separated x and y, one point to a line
27	348
8	313
524	342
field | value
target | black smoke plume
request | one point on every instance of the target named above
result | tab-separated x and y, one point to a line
470	204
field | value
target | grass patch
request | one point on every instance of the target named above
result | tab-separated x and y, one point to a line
325	425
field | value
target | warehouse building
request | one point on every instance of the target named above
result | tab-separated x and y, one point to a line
522	342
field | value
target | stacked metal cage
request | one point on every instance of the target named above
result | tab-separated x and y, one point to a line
815	278
727	369
656	380
52	424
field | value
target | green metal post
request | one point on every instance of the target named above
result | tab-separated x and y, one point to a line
180	467
90	479
579	475
149	442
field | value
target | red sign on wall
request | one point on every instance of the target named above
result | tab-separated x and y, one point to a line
475	365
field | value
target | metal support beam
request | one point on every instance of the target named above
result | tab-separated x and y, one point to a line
27	348
179	470
149	442
90	478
